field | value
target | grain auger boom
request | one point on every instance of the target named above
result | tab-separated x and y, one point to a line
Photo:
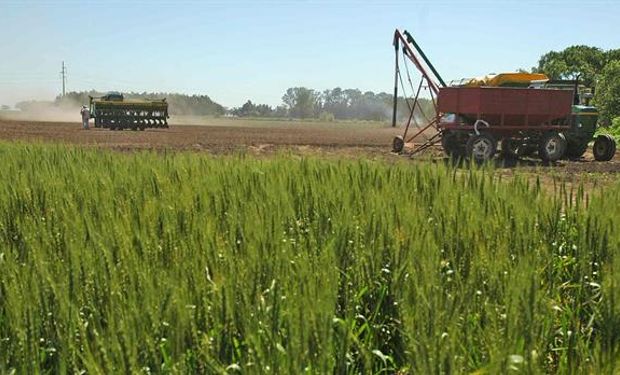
430	80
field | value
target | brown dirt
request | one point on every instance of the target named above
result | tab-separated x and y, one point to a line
263	138
210	138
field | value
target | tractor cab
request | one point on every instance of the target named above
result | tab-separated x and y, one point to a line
113	96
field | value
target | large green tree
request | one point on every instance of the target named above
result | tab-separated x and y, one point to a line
301	101
584	62
608	91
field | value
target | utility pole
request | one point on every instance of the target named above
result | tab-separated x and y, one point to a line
63	73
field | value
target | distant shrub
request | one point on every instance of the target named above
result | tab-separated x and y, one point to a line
326	116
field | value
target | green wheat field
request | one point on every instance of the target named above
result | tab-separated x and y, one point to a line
177	262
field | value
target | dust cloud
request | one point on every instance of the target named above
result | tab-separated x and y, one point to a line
43	111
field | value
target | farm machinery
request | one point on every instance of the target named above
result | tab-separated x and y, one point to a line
517	114
115	112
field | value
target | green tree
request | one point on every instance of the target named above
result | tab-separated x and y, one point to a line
607	96
612	55
301	102
250	109
583	61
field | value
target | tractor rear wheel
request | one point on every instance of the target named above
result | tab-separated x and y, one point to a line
552	146
481	147
604	148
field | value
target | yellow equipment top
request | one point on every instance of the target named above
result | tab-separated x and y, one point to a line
507	79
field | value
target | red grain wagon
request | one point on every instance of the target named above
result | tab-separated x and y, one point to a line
507	108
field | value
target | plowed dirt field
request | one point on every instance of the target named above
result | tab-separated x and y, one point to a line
202	137
261	137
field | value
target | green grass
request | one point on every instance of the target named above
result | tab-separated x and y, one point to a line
184	263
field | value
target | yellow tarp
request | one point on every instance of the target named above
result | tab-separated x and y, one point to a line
507	79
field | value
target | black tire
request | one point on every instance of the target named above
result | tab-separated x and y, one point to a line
604	148
451	145
509	149
481	147
552	146
398	143
613	146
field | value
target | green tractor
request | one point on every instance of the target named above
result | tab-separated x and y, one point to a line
584	125
114	112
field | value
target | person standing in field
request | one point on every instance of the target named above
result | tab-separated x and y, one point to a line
85	116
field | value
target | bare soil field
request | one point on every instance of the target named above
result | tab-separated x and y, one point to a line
217	139
265	138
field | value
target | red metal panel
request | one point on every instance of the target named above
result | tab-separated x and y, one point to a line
503	106
502	101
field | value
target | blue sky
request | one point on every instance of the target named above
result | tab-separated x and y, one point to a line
239	50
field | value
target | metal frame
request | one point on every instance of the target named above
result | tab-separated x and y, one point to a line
412	51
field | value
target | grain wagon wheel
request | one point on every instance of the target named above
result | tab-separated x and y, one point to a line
398	143
481	147
509	149
604	148
552	146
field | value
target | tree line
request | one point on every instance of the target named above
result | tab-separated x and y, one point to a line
334	104
297	103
